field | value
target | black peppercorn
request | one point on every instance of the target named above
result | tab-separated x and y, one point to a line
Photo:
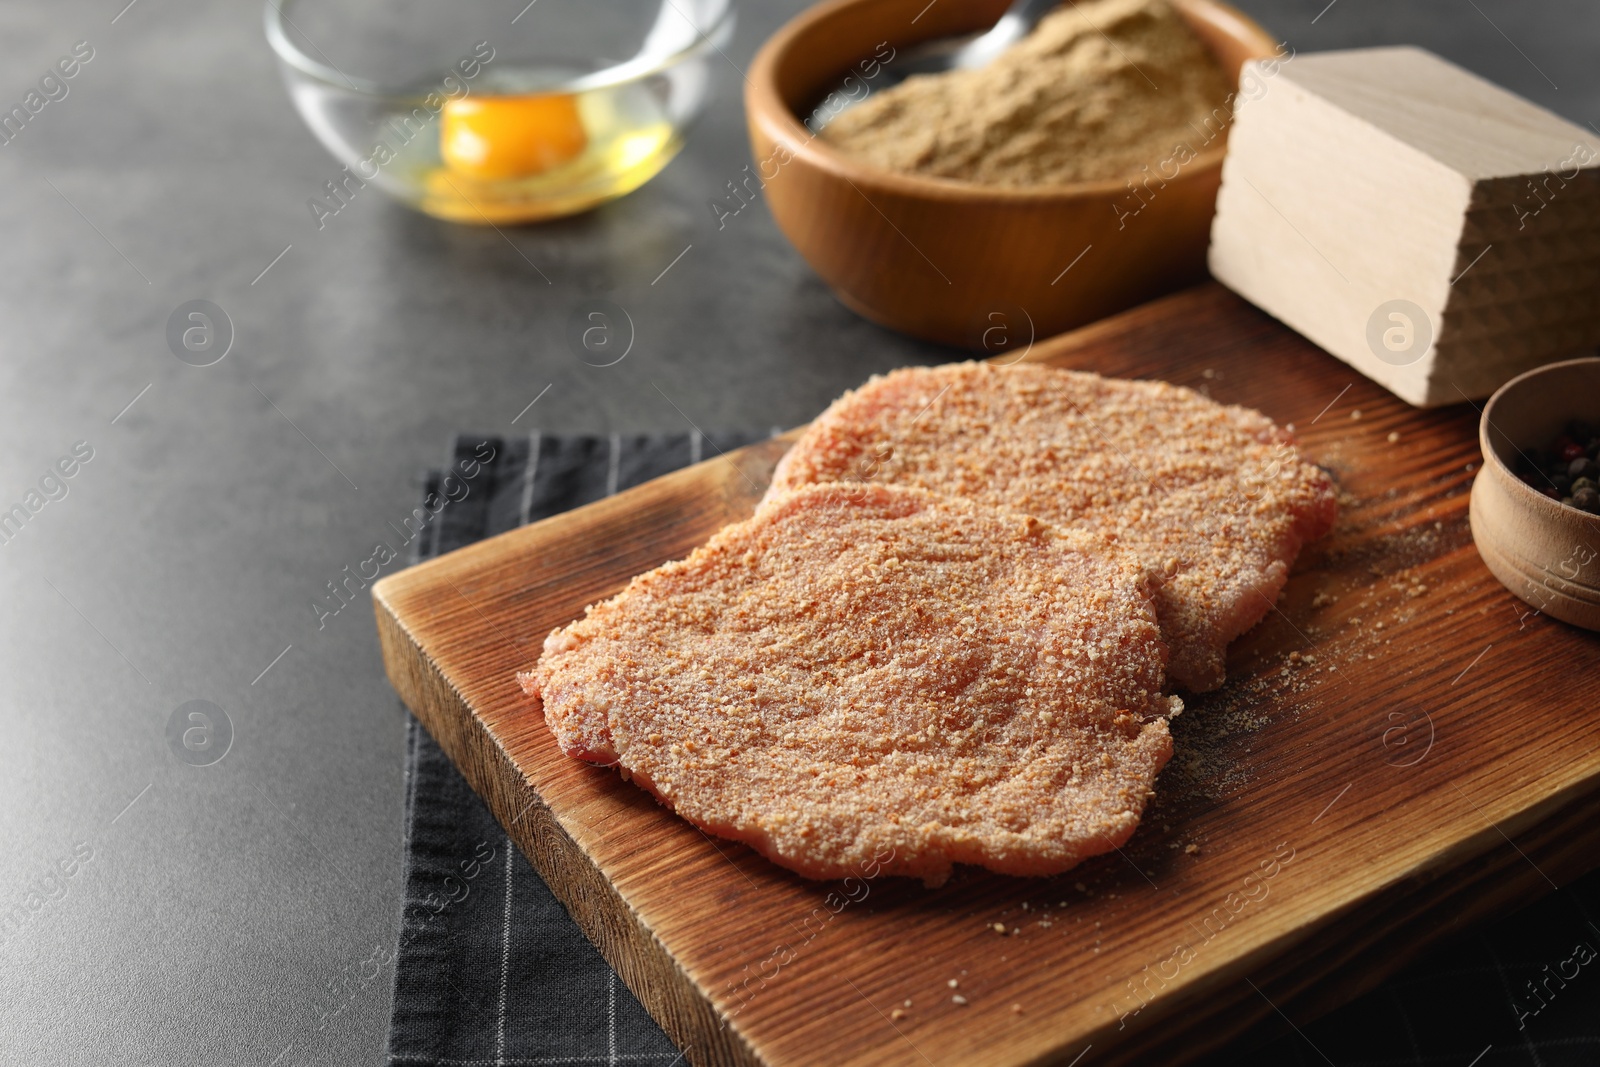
1568	469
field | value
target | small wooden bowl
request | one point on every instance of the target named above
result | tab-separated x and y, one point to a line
936	258
1542	550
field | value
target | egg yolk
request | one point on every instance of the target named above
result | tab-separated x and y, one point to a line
499	137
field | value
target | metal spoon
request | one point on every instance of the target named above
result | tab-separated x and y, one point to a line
934	57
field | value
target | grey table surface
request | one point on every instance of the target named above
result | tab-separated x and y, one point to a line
183	561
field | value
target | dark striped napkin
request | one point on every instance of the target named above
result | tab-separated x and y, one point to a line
490	969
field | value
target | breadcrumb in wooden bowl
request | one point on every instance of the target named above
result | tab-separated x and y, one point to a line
935	256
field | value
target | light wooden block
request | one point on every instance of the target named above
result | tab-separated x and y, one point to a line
1436	232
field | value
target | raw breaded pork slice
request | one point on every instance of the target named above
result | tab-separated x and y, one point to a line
1215	497
860	671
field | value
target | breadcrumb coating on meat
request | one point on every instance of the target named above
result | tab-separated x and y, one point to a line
864	671
1214	496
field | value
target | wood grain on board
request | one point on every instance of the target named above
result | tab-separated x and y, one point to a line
1351	795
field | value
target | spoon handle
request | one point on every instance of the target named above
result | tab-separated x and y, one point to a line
935	57
1018	21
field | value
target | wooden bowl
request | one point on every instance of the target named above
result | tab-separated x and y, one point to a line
938	258
1542	550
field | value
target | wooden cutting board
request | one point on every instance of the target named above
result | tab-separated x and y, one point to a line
1403	748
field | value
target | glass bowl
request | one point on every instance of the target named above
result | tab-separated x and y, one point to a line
495	111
